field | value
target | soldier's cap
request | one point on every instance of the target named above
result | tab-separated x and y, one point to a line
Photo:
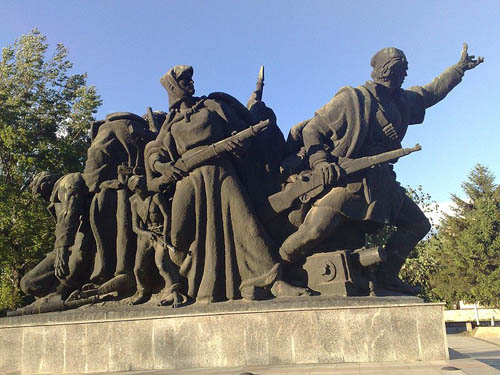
171	78
41	181
386	55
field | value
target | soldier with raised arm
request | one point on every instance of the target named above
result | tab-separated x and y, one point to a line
364	121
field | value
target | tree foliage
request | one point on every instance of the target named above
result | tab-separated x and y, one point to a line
469	244
460	258
45	115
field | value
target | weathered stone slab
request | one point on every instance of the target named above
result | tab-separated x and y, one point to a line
54	340
164	346
97	347
131	339
405	335
75	351
431	335
32	350
283	332
11	343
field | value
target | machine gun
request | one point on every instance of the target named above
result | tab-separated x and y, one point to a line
311	184
216	149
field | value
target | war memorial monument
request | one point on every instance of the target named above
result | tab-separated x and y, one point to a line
200	237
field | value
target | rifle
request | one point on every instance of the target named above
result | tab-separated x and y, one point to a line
45	307
160	238
311	184
216	149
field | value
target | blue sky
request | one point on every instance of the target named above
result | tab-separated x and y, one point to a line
309	48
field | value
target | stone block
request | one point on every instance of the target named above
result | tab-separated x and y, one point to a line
32	350
431	333
189	342
97	346
164	333
210	342
330	329
381	336
404	334
356	341
220	341
53	345
131	345
11	343
75	352
280	333
232	350
293	338
486	332
256	339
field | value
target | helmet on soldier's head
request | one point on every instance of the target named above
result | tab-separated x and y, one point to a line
42	184
176	89
383	62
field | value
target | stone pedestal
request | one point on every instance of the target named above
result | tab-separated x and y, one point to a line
282	331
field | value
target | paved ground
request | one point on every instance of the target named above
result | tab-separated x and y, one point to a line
468	355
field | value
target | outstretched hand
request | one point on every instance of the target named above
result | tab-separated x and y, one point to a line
467	61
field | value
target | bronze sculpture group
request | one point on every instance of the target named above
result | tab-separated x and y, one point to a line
211	198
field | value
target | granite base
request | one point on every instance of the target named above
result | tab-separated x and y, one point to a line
112	338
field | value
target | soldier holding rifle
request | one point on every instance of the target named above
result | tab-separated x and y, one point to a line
365	121
224	250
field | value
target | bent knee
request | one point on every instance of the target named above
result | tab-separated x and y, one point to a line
315	233
27	285
421	227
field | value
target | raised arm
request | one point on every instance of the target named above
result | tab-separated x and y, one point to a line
446	81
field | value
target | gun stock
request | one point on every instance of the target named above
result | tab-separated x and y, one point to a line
216	149
312	185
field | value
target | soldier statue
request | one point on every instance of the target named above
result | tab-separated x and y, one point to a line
364	121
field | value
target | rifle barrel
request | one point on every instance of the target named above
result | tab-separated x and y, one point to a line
215	149
354	165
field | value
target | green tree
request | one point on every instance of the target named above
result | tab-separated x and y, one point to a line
469	244
45	115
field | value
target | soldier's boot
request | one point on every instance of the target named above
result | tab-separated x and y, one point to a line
387	276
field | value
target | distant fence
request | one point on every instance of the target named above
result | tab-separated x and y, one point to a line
469	315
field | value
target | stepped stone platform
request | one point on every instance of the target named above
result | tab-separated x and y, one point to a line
310	330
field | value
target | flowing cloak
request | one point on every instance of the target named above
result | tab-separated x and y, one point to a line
350	125
214	225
